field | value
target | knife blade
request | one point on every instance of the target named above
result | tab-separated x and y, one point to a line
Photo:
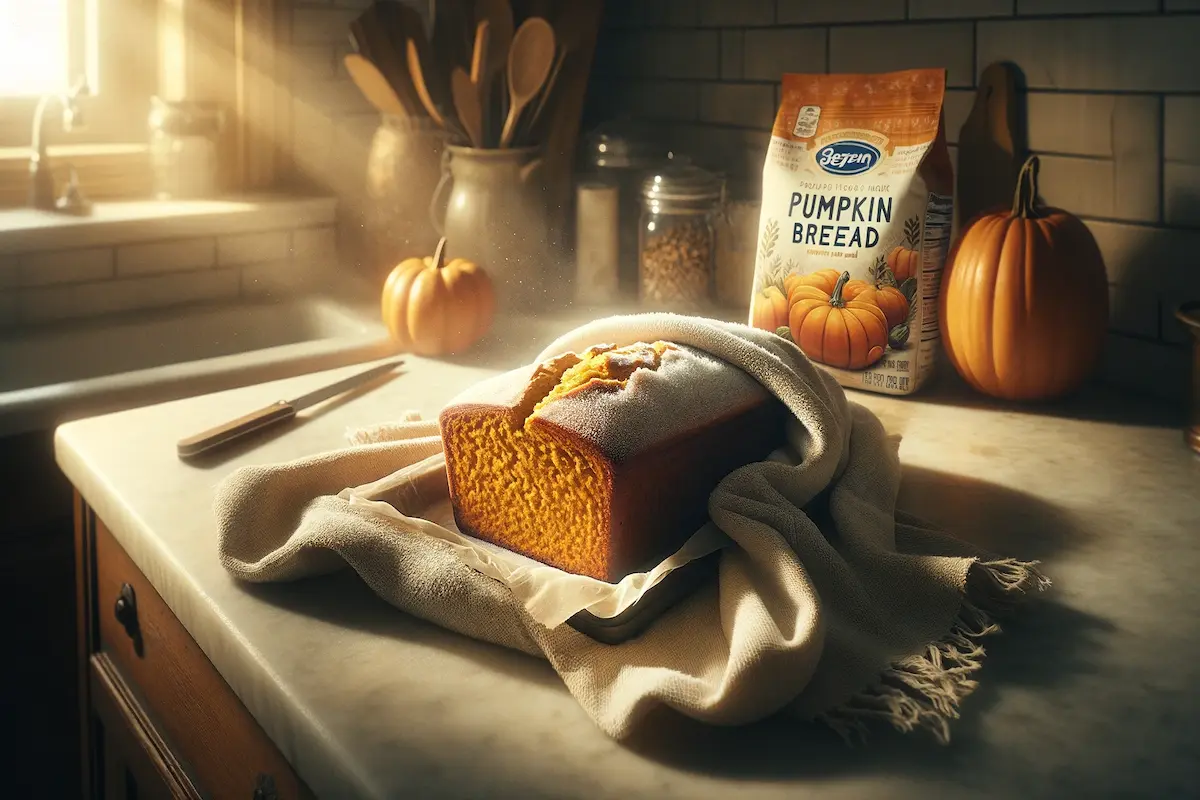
275	413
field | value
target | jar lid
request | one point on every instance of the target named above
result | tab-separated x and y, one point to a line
625	143
685	183
182	118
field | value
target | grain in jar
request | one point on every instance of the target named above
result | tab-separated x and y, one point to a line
677	239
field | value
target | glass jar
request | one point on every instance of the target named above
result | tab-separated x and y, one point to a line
621	153
677	238
183	148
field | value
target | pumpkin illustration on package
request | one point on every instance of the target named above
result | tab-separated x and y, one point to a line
902	260
848	334
823	279
769	310
1024	299
890	300
435	308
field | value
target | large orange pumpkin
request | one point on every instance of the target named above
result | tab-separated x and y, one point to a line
890	300
823	279
769	310
1024	299
434	308
832	330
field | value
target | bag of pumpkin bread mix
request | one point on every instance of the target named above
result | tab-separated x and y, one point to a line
857	201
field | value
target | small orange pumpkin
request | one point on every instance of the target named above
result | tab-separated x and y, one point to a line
434	308
769	310
848	334
823	279
1024	299
890	300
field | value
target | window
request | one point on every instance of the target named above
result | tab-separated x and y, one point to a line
34	47
222	51
48	45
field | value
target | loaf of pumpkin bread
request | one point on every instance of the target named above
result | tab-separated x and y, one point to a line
601	463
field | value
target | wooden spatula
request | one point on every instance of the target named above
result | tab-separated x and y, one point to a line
991	144
466	104
529	61
418	79
374	86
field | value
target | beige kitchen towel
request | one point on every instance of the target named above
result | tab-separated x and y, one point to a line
829	605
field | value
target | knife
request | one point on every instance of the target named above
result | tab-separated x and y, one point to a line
274	413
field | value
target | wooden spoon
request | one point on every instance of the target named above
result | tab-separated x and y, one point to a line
499	17
374	86
466	103
479	53
570	29
529	61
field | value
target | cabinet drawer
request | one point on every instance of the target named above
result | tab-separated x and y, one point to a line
206	726
133	760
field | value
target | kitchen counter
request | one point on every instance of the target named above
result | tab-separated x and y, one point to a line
1091	693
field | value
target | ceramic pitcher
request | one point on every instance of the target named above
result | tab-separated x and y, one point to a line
495	216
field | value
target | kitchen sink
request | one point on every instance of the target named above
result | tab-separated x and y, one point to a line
63	371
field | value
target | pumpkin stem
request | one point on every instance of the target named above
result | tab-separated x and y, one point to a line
439	255
1025	196
835	299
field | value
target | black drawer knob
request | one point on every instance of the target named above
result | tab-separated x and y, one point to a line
125	610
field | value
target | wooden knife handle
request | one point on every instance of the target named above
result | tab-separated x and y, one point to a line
255	420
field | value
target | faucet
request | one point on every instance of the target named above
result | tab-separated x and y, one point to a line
41	186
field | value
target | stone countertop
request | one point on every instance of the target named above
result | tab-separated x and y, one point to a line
1091	693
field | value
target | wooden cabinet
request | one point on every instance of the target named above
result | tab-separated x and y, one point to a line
157	718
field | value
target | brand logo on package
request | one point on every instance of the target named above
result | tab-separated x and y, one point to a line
847	157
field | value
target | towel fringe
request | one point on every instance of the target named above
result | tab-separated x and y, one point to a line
925	690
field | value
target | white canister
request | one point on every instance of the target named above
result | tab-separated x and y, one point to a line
597	243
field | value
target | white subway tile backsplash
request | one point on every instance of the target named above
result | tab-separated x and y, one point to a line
69	301
65	266
252	248
321	25
806	12
178	255
1085	6
945	9
655	100
314	62
743	13
1181	135
956	106
665	53
732	49
1094	187
1163	258
741	104
1181	196
883	48
1076	124
768	54
1133	310
315	245
1146	54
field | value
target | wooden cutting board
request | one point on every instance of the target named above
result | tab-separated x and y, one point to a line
991	144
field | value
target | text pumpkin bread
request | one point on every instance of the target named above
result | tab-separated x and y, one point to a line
601	463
